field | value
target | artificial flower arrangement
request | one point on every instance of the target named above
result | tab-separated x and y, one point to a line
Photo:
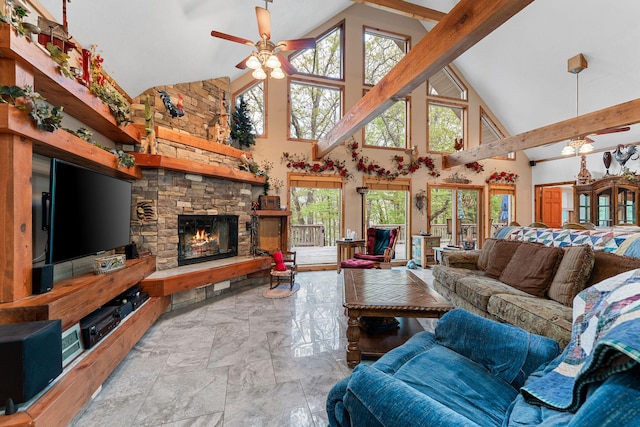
298	162
503	177
475	166
363	164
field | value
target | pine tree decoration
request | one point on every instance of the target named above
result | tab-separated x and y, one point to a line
242	126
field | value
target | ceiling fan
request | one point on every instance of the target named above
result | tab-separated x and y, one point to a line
267	56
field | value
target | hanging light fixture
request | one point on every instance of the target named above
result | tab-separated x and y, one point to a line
265	62
577	145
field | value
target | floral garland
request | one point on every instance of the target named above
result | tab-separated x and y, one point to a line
363	164
503	177
298	162
477	167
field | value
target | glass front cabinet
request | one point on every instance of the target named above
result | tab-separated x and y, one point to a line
608	202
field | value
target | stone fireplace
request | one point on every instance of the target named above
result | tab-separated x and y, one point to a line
206	237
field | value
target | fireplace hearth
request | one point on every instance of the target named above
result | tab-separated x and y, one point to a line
206	237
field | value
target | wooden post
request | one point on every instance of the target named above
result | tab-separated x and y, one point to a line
16	248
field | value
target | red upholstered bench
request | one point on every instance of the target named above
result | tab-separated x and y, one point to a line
357	263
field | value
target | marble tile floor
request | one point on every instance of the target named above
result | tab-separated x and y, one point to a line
240	360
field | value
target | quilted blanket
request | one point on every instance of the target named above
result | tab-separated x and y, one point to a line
605	340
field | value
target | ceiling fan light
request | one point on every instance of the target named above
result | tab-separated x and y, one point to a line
259	74
568	150
273	62
277	73
586	148
253	63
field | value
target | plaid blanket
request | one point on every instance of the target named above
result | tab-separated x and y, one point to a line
605	340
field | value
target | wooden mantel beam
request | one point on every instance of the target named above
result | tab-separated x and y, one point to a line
406	9
624	114
466	24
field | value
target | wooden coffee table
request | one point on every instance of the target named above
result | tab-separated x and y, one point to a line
386	293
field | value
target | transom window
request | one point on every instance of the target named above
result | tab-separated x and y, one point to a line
446	84
489	132
389	129
254	97
314	109
326	59
382	51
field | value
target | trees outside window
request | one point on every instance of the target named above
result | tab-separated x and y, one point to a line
382	51
314	109
446	124
254	99
389	129
326	59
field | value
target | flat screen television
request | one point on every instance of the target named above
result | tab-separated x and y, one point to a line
87	213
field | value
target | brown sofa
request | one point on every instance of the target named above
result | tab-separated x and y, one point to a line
526	284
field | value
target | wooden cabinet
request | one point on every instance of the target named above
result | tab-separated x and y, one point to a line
608	202
422	249
273	230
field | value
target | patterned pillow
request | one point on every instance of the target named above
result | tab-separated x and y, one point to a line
572	275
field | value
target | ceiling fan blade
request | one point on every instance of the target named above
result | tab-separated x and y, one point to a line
614	130
298	44
589	140
264	22
243	65
232	38
286	65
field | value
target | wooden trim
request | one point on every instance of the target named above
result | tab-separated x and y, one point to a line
624	114
405	9
272	212
169	282
157	161
466	24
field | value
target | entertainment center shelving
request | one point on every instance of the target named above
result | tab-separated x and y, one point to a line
24	63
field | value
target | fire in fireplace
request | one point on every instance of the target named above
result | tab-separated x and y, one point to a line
206	237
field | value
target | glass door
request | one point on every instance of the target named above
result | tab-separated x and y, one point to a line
626	206
454	214
604	209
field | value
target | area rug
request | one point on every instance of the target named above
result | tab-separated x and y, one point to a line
281	291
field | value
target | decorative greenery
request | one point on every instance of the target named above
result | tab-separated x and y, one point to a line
503	177
298	162
458	178
45	116
403	168
62	59
242	126
124	159
117	104
475	166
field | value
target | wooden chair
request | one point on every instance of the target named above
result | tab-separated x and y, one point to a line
382	258
574	226
288	275
538	225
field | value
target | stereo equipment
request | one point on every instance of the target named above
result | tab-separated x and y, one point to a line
532	162
98	324
131	251
71	344
30	356
42	279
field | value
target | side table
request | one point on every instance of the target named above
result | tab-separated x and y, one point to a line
422	249
346	249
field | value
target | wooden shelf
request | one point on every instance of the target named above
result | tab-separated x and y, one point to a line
171	281
63	145
59	404
272	212
157	161
62	91
72	299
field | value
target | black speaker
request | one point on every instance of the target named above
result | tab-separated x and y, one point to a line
532	162
30	358
131	251
42	279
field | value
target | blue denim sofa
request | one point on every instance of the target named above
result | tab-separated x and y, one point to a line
469	373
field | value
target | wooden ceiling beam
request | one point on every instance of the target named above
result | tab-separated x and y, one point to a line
466	24
404	8
624	114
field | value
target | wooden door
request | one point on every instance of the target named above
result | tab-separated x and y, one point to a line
552	206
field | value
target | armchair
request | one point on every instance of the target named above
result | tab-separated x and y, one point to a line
381	246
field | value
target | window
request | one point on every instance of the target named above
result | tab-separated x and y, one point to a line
314	109
445	84
489	132
446	125
326	59
502	206
455	213
254	97
389	129
388	206
382	51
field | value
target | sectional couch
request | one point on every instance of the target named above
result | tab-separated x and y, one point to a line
528	276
